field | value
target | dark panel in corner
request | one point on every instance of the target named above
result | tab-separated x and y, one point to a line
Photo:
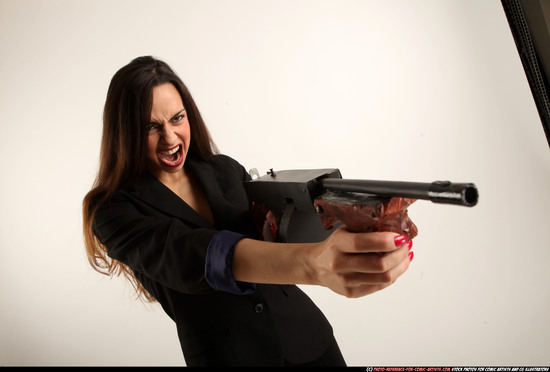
529	22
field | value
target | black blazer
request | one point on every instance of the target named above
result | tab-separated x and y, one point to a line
164	241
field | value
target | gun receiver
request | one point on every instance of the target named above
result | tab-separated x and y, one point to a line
308	204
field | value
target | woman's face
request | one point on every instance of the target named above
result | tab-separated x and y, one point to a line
169	132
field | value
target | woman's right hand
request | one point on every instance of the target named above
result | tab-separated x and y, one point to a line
350	264
358	264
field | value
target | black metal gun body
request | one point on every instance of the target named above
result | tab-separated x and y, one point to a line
293	198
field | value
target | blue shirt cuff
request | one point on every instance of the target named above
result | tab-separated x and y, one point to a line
218	264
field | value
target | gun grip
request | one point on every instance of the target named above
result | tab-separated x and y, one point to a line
376	214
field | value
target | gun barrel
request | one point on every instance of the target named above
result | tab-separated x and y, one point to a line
443	192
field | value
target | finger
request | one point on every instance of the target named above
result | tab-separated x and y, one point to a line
361	291
371	262
364	290
383	241
360	281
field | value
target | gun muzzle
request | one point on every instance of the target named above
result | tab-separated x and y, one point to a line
443	192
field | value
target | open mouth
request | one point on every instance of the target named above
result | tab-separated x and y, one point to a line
171	157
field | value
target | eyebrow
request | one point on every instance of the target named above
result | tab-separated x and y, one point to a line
173	116
177	113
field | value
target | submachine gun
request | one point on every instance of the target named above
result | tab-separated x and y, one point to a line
308	204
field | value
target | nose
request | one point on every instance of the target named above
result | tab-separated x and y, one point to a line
169	134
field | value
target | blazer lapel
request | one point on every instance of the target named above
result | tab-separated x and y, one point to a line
153	192
204	173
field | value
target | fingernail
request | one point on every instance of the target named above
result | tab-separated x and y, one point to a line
411	255
400	240
273	228
410	244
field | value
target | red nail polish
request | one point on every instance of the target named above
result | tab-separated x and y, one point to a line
411	255
400	240
410	244
273	228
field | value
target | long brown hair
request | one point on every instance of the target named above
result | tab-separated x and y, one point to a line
122	156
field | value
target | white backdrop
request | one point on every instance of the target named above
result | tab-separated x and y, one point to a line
415	90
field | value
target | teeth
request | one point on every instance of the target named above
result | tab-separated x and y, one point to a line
170	152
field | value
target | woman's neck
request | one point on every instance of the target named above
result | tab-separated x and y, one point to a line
174	181
184	185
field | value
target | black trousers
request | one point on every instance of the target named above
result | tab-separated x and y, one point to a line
332	357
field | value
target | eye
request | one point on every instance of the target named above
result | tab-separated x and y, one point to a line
178	118
151	126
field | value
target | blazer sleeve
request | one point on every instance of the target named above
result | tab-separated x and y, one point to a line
162	248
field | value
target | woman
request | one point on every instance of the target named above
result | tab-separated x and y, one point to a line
170	213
